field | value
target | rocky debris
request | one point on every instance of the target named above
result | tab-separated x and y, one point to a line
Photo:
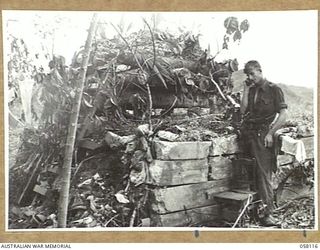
199	128
115	141
167	136
109	188
298	213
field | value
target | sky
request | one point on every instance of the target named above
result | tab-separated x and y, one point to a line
284	42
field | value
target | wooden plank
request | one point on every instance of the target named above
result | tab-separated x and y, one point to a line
181	150
230	195
170	173
220	168
187	217
285	159
225	145
309	146
242	191
172	199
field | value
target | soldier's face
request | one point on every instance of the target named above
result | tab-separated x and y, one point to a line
254	75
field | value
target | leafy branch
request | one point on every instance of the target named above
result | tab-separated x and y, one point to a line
143	71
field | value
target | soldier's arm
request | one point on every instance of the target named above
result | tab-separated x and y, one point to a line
281	107
280	121
244	99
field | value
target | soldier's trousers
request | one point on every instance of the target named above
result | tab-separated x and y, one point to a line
253	144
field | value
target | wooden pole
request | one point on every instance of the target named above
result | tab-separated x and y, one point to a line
66	168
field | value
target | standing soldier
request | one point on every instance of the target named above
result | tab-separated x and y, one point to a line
265	111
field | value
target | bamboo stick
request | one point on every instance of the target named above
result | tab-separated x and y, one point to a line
66	168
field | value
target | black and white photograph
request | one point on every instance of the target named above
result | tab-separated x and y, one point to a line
122	120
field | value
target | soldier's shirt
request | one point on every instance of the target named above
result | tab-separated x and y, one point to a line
266	100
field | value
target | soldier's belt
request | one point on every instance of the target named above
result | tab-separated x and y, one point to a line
256	126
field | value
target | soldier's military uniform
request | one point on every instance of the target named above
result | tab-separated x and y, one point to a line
264	103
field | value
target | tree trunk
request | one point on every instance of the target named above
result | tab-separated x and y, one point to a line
66	168
173	63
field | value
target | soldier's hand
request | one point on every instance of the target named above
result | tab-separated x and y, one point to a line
268	141
248	84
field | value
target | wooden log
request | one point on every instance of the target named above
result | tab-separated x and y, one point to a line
89	144
172	199
181	150
220	168
225	145
186	218
174	63
309	146
170	173
164	99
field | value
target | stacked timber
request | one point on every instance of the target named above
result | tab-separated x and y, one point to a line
224	149
185	176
